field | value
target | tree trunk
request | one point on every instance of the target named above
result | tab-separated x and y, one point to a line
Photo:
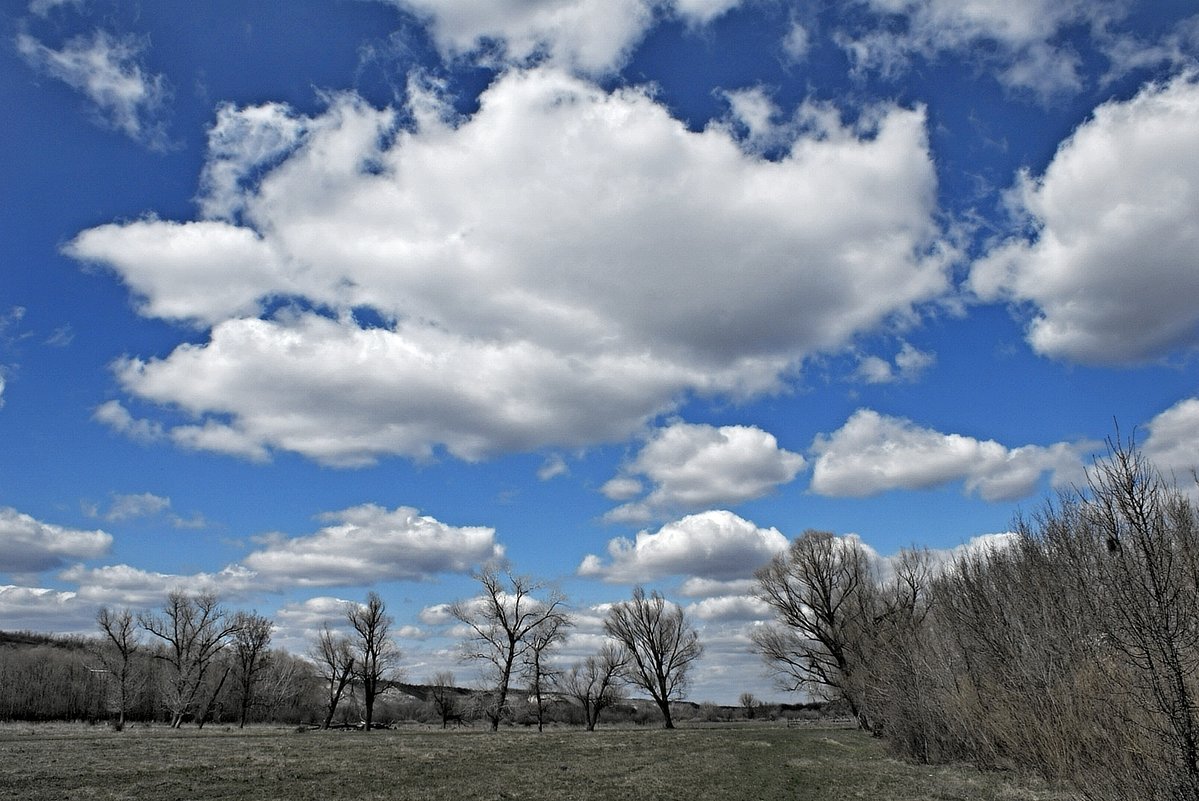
212	701
667	720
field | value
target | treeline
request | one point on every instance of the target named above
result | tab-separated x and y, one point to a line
192	660
1070	651
45	678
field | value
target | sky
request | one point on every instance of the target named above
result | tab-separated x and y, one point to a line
304	300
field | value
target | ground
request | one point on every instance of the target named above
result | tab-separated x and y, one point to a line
727	762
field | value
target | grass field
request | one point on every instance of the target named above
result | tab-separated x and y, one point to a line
734	762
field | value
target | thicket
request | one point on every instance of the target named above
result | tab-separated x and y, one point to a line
1070	652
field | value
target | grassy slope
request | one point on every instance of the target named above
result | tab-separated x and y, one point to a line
766	762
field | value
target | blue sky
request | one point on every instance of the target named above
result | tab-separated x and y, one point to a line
302	300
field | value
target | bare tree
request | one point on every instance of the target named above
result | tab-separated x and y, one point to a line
1149	568
749	702
660	647
501	621
250	657
334	660
445	700
376	657
120	628
537	670
193	629
285	685
594	682
822	591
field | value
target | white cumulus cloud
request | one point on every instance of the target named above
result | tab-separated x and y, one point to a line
1173	441
126	585
552	271
713	545
694	467
369	543
593	36
43	609
1110	267
909	364
30	546
874	453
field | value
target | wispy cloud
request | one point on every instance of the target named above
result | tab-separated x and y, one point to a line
106	70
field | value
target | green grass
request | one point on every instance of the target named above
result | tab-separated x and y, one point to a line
693	764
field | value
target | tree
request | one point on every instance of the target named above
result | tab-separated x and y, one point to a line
445	700
334	660
193	629
120	629
500	622
660	647
376	657
594	682
749	702
542	639
250	657
822	591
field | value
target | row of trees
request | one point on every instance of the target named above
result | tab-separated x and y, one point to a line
1072	651
192	658
651	647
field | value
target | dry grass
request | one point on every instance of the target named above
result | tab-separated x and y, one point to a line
751	762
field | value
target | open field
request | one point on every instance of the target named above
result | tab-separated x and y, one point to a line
750	762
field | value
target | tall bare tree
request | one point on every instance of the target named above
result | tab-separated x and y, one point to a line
594	682
334	660
660	646
822	591
501	621
445	700
251	657
120	629
538	671
376	655
194	629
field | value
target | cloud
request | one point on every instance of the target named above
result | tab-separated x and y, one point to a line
114	415
1110	266
874	453
42	609
714	545
798	41
1018	38
723	609
42	8
553	467
700	466
592	36
106	71
125	585
1178	49
367	544
241	143
910	364
1173	440
390	292
31	546
299	623
127	507
142	505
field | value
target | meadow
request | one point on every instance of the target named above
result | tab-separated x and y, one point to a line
762	762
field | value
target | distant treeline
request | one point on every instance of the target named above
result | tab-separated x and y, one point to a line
49	677
45	677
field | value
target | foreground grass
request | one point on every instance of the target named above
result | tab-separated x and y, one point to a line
761	763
